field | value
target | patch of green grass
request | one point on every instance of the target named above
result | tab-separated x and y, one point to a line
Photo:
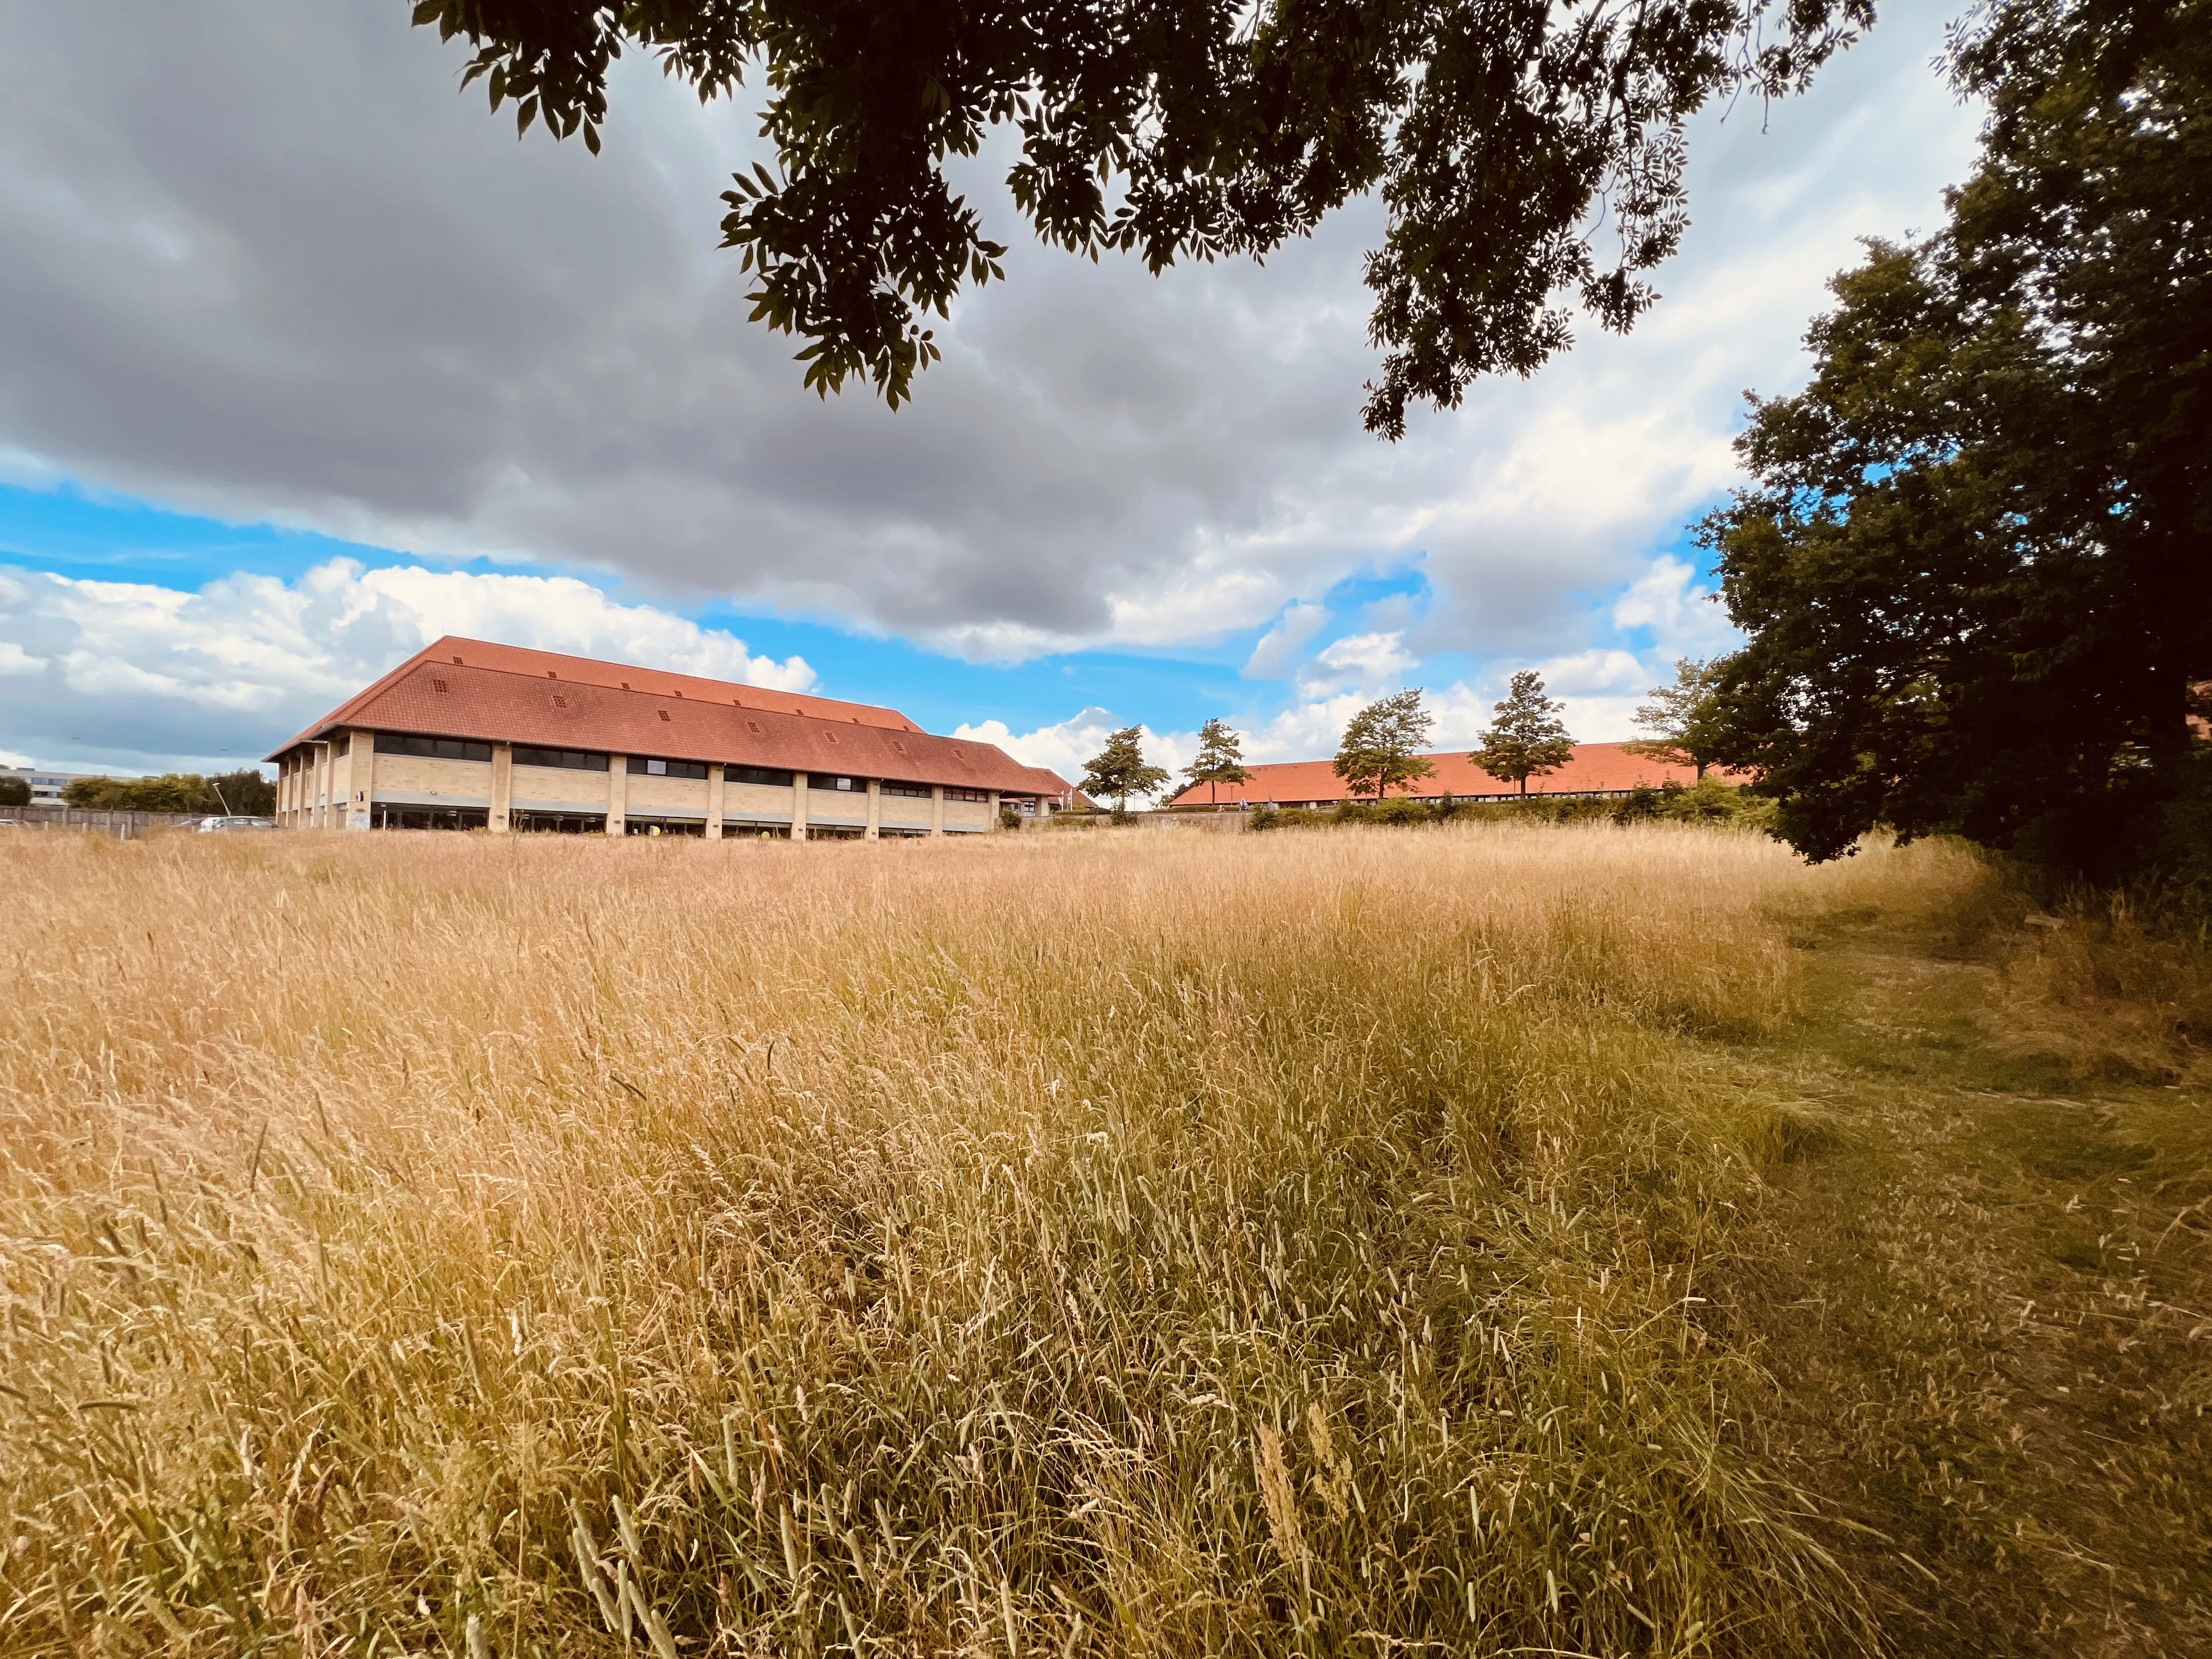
1987	1306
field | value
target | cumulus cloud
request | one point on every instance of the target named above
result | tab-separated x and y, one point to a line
1279	647
1372	656
1668	600
262	259
1068	746
115	674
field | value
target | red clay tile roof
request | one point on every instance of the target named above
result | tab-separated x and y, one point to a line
1597	768
455	652
504	693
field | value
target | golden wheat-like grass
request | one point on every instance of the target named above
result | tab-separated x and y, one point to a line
1142	1243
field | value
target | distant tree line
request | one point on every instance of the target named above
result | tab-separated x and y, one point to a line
244	794
1385	744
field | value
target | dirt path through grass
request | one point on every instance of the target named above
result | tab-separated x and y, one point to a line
1989	1317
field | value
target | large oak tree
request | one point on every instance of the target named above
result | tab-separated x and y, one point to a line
1975	560
1529	153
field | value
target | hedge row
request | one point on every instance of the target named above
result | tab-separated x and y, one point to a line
1709	802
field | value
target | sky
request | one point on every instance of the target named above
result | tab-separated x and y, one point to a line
306	360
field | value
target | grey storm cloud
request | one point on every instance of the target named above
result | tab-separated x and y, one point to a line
265	259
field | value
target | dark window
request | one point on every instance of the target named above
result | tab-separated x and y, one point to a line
394	742
428	817
966	794
570	759
757	774
852	785
917	789
559	824
640	767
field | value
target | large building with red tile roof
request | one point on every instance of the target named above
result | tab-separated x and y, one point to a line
1597	768
469	734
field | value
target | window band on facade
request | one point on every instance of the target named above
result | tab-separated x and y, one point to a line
398	743
643	766
568	759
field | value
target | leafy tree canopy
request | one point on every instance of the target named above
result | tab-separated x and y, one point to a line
15	791
1120	769
246	793
1220	757
1684	719
1973	561
1382	743
1526	738
1497	132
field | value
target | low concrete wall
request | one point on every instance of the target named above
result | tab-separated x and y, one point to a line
123	826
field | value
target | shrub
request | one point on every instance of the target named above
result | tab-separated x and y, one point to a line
1289	818
174	791
15	791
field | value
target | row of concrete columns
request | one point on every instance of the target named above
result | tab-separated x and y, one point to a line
304	797
324	794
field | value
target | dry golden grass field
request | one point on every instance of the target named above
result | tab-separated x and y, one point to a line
1470	1241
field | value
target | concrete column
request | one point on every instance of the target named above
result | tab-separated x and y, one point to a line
875	809
936	809
502	785
360	779
799	806
618	794
994	812
713	801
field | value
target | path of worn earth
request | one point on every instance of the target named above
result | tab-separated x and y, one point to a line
1989	1307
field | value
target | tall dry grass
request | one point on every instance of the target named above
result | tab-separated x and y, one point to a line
1101	1245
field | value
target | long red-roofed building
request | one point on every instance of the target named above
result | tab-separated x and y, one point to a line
468	734
1597	768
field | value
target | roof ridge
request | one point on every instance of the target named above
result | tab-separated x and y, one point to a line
445	640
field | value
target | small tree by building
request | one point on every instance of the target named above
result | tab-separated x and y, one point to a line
1684	719
1220	760
1120	771
246	792
15	791
1382	743
1528	738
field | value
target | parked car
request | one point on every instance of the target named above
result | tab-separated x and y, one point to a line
216	826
